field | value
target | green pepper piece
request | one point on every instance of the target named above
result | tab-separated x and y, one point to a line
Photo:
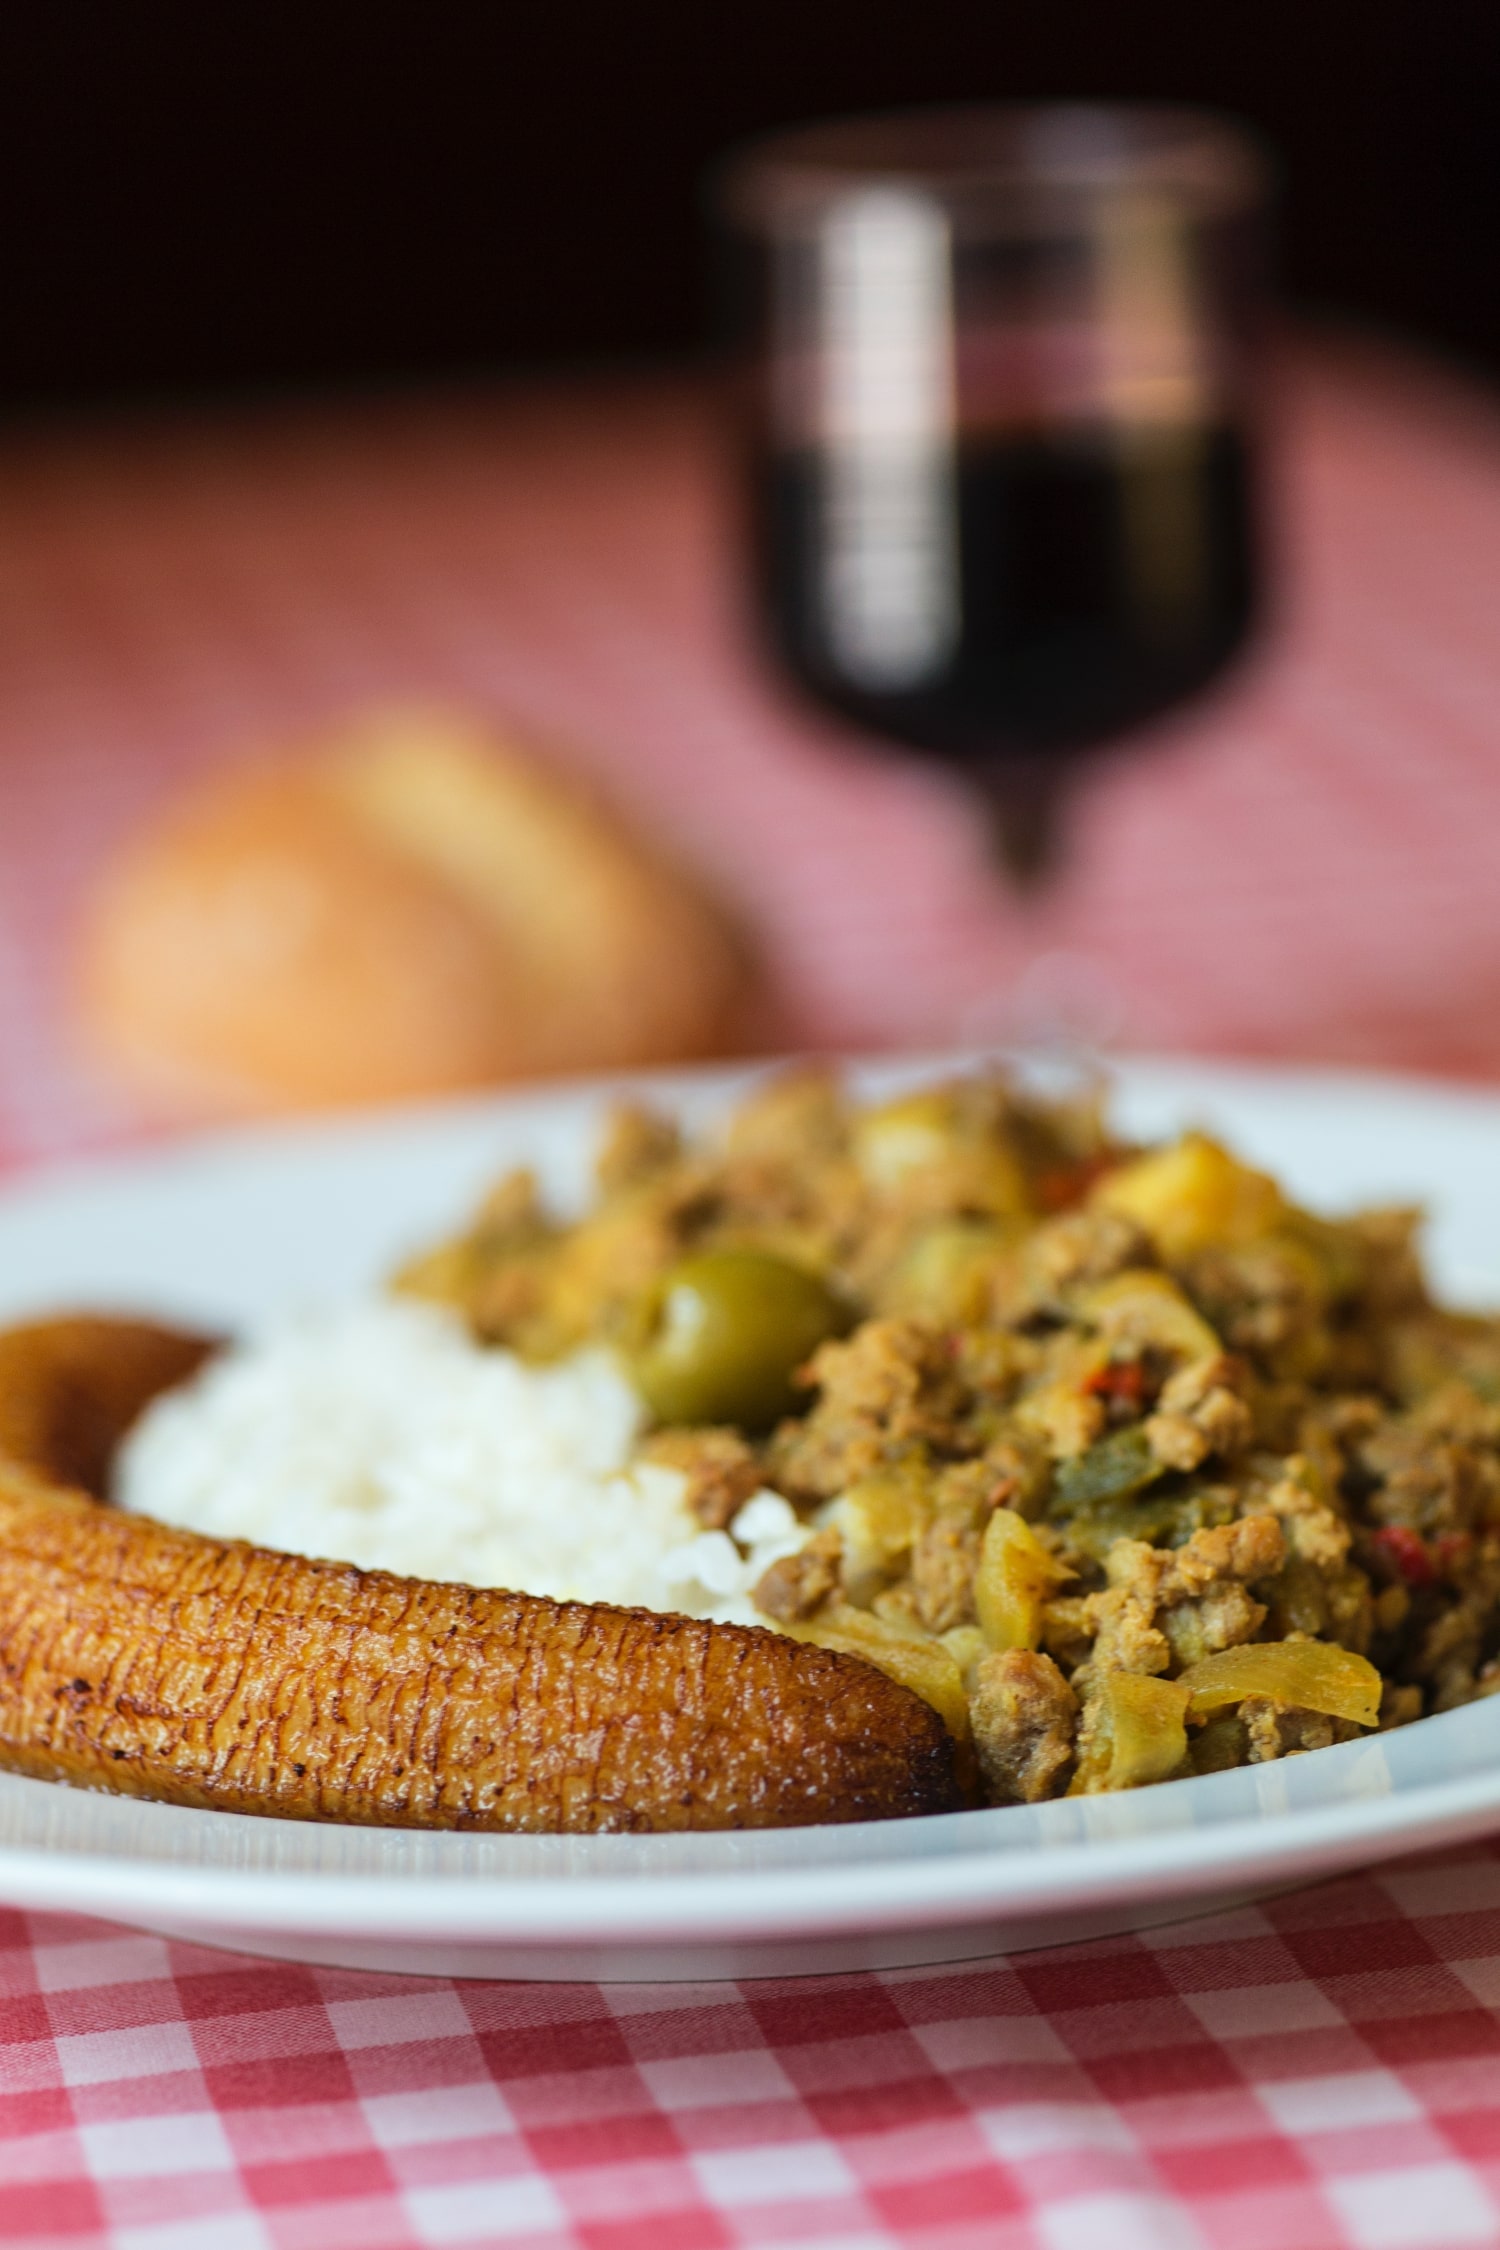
1114	1469
1161	1519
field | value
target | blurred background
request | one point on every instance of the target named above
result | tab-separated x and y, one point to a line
195	203
360	357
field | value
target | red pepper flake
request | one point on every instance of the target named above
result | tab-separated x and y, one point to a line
1122	1380
1067	1184
1405	1553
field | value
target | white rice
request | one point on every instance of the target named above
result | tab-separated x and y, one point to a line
381	1435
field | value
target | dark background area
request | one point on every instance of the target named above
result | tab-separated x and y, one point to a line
201	199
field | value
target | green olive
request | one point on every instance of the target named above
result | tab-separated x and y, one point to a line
724	1333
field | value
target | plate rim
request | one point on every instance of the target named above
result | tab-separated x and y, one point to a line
700	1907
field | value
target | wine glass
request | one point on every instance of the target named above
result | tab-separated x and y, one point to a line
999	406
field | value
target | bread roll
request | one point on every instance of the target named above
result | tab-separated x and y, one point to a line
408	906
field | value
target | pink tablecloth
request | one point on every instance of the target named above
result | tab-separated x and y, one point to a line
1306	868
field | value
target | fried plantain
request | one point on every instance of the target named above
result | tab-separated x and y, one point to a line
156	1662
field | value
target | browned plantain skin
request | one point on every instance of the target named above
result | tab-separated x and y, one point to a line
159	1663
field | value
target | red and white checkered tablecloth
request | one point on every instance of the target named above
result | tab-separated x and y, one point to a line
1323	2069
1307	867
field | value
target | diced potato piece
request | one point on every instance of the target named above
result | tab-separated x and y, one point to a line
945	1273
903	1136
1310	1675
880	1519
1192	1195
926	1667
1140	1734
1147	1310
928	1133
1016	1575
1147	1720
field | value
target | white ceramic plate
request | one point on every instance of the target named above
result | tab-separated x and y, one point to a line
218	1230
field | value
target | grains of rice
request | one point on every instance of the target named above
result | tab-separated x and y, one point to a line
381	1435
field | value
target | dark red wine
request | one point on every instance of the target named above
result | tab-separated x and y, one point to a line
1019	598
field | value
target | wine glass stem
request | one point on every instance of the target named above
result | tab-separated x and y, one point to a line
1023	798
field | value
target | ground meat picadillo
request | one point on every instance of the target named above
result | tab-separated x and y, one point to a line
1130	1466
